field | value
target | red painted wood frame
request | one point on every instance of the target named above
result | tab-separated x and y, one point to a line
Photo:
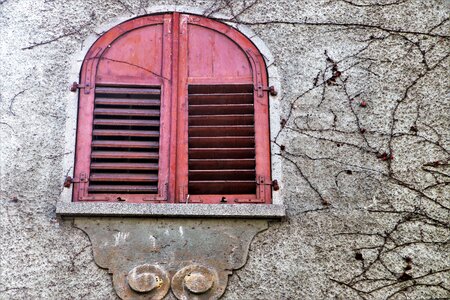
173	51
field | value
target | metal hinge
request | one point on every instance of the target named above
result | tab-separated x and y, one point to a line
270	89
273	184
69	180
263	185
76	86
83	180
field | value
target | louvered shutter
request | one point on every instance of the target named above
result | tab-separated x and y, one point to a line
221	132
223	149
125	140
122	140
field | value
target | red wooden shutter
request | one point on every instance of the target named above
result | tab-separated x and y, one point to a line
223	124
124	114
173	108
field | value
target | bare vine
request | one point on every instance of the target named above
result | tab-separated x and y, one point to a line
385	270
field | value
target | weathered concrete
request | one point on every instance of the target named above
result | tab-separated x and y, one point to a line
364	149
171	250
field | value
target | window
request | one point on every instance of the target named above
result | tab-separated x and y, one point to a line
173	108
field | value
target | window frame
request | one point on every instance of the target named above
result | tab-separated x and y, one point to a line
174	83
66	207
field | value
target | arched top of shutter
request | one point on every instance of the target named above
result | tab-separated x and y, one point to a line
214	56
132	52
218	53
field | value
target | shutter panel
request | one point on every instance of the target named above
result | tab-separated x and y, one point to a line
221	140
223	151
125	140
124	114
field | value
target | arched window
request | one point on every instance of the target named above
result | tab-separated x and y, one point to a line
173	108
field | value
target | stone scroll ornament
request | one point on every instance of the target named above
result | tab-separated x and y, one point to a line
152	258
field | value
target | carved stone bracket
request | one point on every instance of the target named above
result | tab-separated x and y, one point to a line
191	257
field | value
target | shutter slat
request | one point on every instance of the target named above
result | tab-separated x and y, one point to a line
126	112
115	132
205	175
124	144
127	101
124	154
123	177
231	98
199	153
123	166
214	89
206	164
214	109
224	142
218	131
203	120
126	122
127	90
122	188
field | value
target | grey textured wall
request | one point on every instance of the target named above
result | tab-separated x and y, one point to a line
364	146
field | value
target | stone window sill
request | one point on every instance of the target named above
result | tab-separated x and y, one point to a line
265	211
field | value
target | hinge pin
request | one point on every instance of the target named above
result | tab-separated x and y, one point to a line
275	185
271	90
76	86
68	181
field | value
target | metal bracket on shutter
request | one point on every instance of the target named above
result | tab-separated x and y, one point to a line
82	187
273	184
69	180
260	192
76	86
257	78
270	89
89	68
82	190
261	188
262	185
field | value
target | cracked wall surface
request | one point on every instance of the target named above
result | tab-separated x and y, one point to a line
363	141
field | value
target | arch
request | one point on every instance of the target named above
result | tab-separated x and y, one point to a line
221	38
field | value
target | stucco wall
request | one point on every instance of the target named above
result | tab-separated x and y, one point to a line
364	149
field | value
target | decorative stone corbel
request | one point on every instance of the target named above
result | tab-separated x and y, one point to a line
191	257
